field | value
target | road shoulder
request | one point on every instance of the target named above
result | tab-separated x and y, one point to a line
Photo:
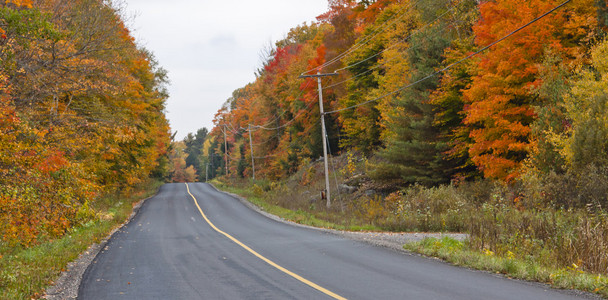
392	240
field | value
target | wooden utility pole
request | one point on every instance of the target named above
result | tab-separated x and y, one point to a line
225	150
251	149
324	134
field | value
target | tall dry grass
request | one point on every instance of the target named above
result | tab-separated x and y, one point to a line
558	220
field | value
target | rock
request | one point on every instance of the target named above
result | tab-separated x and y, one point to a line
347	188
356	180
370	193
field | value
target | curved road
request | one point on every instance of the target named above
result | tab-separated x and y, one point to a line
170	251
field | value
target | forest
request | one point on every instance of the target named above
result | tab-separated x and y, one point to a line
81	116
418	88
485	117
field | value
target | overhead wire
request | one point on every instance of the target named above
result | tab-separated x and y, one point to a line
431	75
232	129
288	122
408	85
378	53
237	131
274	155
395	44
284	112
453	64
374	34
363	42
302	111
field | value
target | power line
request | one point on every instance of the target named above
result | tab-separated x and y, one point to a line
394	45
371	69
374	34
232	129
237	131
302	111
275	155
284	112
315	123
453	64
264	157
363	42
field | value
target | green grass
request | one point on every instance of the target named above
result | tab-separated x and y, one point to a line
458	253
299	216
26	272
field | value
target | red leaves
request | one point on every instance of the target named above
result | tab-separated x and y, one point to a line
52	162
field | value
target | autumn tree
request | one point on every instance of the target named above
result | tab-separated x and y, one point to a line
499	110
585	105
84	114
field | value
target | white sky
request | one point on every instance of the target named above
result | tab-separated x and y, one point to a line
211	48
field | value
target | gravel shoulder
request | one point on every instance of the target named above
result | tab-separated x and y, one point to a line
392	240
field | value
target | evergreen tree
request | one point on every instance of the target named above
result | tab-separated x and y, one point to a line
194	147
413	144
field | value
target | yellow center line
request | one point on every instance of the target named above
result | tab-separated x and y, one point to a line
268	261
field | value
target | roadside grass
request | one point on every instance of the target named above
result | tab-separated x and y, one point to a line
317	218
26	272
459	253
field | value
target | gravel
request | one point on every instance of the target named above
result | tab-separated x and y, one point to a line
392	240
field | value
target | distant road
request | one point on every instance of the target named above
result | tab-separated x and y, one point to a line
170	251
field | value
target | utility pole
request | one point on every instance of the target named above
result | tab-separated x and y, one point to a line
225	150
324	134
251	148
213	170
206	172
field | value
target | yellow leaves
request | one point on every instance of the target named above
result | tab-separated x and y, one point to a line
599	57
586	106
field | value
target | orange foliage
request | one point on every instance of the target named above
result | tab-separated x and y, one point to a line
335	8
20	3
82	124
499	100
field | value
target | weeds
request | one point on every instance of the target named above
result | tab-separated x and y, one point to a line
459	253
524	229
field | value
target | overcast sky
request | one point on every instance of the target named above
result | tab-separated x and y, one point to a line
211	48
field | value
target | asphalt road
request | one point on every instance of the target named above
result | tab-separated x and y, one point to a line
169	251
